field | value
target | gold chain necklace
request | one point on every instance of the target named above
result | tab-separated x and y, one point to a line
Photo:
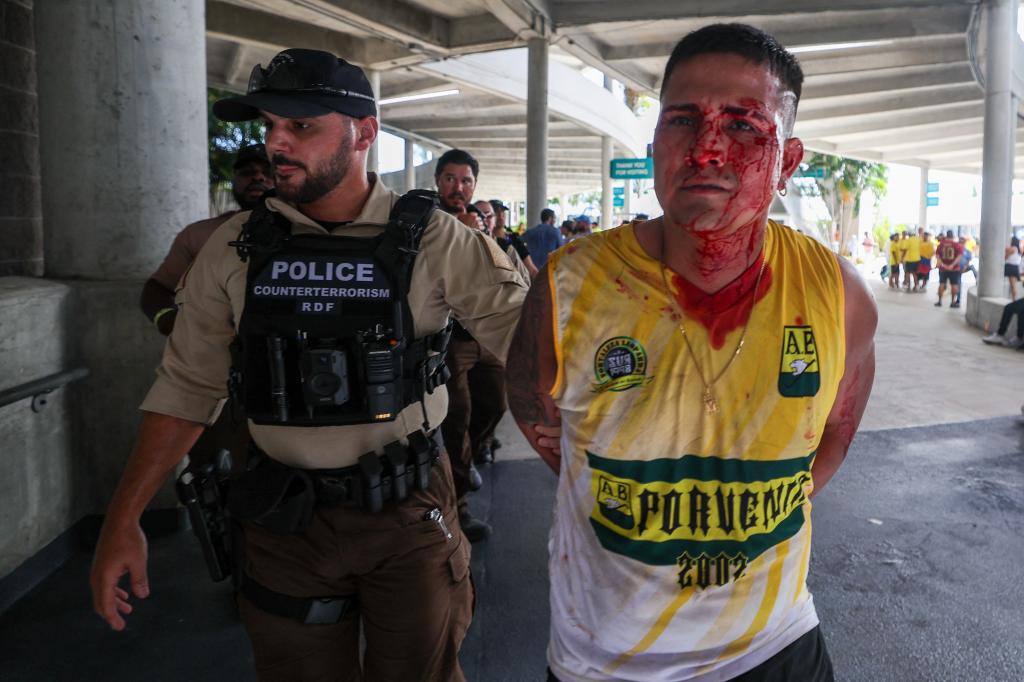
710	404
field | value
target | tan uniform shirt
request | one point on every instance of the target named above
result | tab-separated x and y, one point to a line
458	271
185	248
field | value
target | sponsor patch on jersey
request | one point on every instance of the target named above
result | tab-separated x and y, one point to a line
799	371
620	363
708	516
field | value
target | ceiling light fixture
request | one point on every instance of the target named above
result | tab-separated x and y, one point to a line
413	98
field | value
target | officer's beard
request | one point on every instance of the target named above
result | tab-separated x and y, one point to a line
318	182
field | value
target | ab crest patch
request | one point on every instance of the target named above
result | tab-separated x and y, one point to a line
620	363
799	372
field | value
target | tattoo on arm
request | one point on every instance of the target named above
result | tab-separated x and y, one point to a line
532	366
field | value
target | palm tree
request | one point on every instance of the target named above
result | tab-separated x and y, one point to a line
840	182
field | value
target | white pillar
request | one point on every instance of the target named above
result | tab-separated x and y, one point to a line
537	130
122	132
373	158
922	207
627	193
410	164
606	179
1000	125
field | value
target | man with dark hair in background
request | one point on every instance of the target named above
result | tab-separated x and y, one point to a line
947	258
252	177
543	238
476	389
682	529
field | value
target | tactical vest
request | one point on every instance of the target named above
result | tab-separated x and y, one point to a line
325	338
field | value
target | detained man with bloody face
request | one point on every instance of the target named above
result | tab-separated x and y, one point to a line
707	370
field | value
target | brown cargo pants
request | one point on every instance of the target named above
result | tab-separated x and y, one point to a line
413	585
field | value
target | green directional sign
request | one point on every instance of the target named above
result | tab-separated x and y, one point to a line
618	191
618	202
932	201
626	169
932	187
813	173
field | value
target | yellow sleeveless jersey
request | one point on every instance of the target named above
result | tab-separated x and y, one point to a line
681	539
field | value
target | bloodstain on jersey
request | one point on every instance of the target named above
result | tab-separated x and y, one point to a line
728	308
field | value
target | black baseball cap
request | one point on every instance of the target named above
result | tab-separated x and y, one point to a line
497	205
299	83
249	153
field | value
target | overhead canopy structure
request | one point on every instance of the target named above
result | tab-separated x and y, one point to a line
887	80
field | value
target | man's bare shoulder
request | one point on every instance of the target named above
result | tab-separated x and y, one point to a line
861	311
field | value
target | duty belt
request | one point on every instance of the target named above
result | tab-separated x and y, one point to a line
376	479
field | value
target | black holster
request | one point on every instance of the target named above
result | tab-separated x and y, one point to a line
273	496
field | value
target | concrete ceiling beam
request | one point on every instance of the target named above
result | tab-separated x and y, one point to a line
890	103
956	157
468	107
886	80
595	55
885	120
898	55
251	27
585	12
838	27
884	139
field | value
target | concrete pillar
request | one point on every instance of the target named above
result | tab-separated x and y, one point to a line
123	146
373	158
410	164
122	113
1000	128
922	206
536	130
21	215
606	179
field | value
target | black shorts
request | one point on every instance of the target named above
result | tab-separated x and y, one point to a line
806	660
910	267
949	277
1011	271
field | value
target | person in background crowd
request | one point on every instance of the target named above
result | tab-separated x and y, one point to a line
543	238
966	263
947	257
567	229
1011	266
476	389
507	239
911	258
488	215
924	266
894	261
252	177
999	337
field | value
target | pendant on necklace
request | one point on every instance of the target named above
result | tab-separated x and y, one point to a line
710	406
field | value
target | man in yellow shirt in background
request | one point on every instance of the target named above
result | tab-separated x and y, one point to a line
924	267
911	248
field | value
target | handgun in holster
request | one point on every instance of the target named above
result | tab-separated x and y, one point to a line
203	491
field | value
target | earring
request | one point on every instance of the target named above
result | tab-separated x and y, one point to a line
782	191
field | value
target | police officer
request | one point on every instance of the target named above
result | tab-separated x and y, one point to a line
325	549
477	384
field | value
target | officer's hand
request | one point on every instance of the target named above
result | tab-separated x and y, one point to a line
549	437
120	550
470	220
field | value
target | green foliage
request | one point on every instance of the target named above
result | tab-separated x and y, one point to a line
881	234
225	139
848	178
